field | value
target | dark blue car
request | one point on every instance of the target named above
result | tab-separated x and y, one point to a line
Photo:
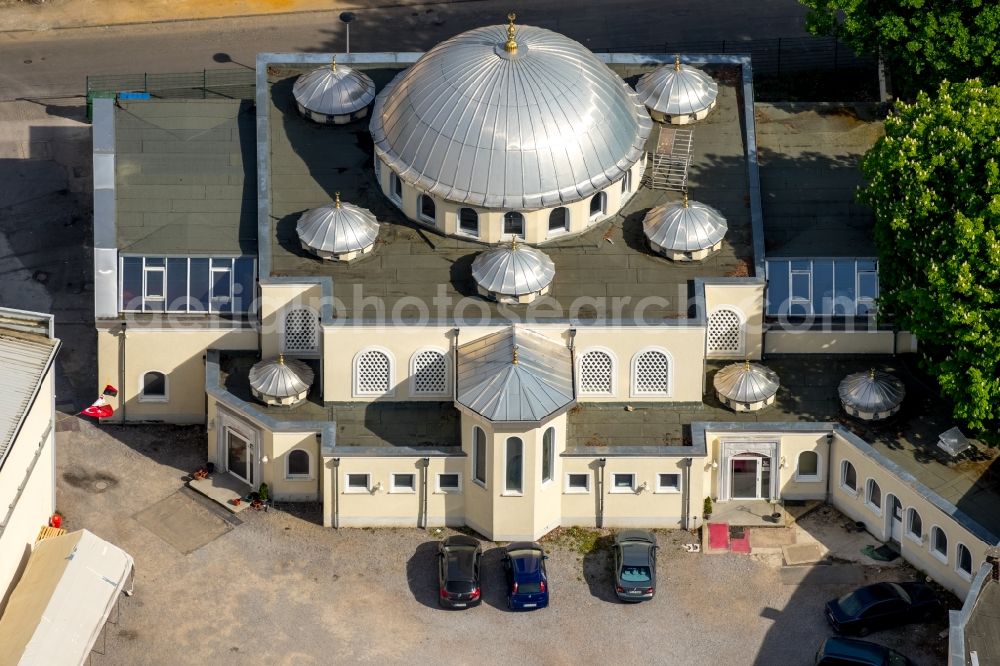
527	584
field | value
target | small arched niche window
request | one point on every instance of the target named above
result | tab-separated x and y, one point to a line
807	468
428	211
559	220
153	387
848	476
468	221
598	205
873	496
513	224
297	464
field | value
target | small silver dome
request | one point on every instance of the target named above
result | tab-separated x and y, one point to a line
746	387
685	230
677	93
338	231
871	395
334	94
513	273
278	381
512	117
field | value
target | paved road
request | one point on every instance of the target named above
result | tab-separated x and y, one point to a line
55	63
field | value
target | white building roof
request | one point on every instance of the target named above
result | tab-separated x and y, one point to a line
677	89
335	90
24	360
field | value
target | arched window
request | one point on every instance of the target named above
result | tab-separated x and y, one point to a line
963	561
597	372
397	187
468	221
428	212
848	476
514	472
726	332
873	496
373	373
153	387
598	205
479	456
651	373
548	453
914	525
300	332
939	543
807	468
627	182
297	464
429	372
559	220
513	224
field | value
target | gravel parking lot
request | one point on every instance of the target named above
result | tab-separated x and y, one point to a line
276	587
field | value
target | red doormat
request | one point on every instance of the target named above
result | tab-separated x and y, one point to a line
718	536
741	545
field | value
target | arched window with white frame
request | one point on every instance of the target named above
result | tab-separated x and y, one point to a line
873	496
374	372
429	372
651	370
963	561
153	387
298	464
914	525
726	335
808	467
300	332
848	477
939	544
596	372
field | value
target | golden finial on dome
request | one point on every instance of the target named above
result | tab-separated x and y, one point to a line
337	199
514	359
677	63
513	243
281	359
511	45
686	204
333	65
871	374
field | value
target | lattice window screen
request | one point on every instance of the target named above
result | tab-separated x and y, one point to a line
301	335
725	332
430	374
371	374
652	373
596	370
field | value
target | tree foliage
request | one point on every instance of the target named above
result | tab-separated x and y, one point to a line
924	41
934	185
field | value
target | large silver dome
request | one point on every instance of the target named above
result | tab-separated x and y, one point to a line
338	230
678	90
542	124
333	91
513	273
685	226
280	382
746	387
871	395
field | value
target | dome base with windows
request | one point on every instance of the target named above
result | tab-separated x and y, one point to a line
737	406
680	118
681	255
324	119
345	257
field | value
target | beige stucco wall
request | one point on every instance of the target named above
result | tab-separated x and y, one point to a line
917	553
276	299
747	300
36	503
276	447
789	447
179	354
828	342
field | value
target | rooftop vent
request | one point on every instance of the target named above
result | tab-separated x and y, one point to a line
871	395
281	382
953	442
685	230
513	273
338	231
677	94
334	95
746	387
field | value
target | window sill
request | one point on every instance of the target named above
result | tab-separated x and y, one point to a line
481	484
402	491
847	490
357	491
576	492
468	234
943	559
808	479
453	491
874	509
153	399
299	478
428	220
964	575
622	491
919	540
511	493
667	491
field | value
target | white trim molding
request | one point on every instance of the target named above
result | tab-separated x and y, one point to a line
634	390
390	380
612	357
309	465
141	393
446	380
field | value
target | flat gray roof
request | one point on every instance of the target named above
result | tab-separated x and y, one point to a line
310	162
982	633
24	359
185	177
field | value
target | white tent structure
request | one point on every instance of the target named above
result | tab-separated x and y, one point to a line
65	595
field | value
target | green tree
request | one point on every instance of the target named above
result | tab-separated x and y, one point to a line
923	41
934	186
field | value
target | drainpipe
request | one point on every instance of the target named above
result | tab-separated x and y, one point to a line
601	462
121	371
829	463
686	494
423	493
336	490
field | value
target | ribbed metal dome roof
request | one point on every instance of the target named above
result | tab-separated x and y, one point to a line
337	228
335	90
545	124
872	391
513	270
677	89
280	378
684	226
746	382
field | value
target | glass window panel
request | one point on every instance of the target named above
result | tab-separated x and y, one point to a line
155	262
823	286
548	452
298	463
800	286
154	286
243	284
154	384
132	283
479	455
843	287
514	464
867	265
777	287
801	265
177	285
448	481
867	284
579	481
221	288
623	480
199	285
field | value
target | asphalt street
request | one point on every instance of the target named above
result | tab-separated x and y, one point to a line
55	63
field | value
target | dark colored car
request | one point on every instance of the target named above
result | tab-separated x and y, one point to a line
634	554
881	605
459	560
837	651
527	583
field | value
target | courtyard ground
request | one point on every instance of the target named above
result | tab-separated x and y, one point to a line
276	587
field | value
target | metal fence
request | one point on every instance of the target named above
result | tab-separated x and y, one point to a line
231	83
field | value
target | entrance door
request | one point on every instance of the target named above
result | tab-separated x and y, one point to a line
895	519
239	458
745	477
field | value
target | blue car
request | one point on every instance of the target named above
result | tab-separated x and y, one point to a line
527	583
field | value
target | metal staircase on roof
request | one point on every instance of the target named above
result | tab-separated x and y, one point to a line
668	163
